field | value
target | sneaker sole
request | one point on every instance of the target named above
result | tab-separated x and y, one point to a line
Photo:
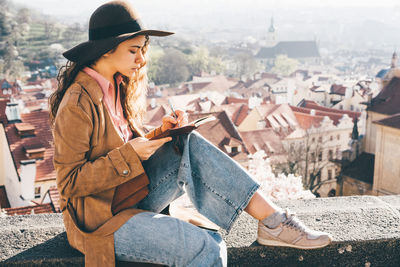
276	243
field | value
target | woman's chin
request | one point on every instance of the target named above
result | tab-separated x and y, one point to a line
131	72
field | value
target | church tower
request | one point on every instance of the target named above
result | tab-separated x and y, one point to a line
394	61
271	35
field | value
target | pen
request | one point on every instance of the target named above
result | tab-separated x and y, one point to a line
173	111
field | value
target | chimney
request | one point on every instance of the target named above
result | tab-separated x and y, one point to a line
35	151
349	93
393	65
25	129
153	103
12	112
27	174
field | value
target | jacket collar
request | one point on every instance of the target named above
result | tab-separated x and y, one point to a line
91	86
96	94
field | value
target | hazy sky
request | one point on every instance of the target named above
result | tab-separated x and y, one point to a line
72	7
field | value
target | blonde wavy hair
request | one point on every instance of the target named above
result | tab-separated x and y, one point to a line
133	89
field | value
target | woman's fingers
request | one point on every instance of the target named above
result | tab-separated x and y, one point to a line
168	118
182	117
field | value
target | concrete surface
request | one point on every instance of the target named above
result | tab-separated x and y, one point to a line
366	232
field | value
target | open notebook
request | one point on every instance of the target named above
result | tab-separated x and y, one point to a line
184	129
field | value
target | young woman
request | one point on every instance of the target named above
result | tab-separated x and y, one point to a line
114	181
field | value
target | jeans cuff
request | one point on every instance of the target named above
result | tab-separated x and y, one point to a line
242	206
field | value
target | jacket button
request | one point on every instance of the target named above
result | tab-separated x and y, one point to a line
125	172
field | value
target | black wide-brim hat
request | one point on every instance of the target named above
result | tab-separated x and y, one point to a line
109	25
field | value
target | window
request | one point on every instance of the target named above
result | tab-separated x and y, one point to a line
329	174
351	107
312	156
330	154
320	139
234	149
338	152
313	140
320	156
37	192
338	137
331	138
332	193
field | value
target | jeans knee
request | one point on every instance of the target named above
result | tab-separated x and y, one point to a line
211	251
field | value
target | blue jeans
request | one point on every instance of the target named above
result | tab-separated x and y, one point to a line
218	187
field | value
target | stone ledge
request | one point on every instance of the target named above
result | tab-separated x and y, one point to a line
366	232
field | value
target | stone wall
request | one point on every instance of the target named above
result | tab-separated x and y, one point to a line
366	232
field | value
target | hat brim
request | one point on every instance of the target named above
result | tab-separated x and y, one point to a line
93	49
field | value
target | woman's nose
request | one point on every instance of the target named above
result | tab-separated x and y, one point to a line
139	57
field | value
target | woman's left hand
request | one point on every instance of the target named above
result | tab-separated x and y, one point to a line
168	121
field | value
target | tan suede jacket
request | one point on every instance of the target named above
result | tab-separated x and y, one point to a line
98	175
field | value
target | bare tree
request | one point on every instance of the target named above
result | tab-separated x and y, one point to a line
306	157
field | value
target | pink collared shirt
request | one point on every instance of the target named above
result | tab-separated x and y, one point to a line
113	105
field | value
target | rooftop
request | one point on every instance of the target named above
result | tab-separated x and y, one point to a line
293	49
36	209
392	121
388	100
362	168
41	139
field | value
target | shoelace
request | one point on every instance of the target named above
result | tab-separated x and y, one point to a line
293	222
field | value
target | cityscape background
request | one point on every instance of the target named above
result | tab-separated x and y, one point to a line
306	94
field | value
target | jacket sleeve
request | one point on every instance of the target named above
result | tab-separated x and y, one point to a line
76	175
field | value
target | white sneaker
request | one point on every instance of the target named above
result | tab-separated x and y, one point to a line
292	233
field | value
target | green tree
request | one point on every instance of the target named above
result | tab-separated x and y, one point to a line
200	60
173	68
284	65
10	35
153	67
245	64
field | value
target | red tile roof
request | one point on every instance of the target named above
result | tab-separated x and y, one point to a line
154	116
305	120
219	132
43	138
236	111
216	83
338	89
263	139
333	113
4	203
55	198
230	100
278	116
38	209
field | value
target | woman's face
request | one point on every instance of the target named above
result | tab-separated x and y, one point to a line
128	57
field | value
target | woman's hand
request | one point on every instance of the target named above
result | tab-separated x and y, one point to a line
145	147
168	121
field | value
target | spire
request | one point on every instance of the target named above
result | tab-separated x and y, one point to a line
354	134
271	26
394	60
